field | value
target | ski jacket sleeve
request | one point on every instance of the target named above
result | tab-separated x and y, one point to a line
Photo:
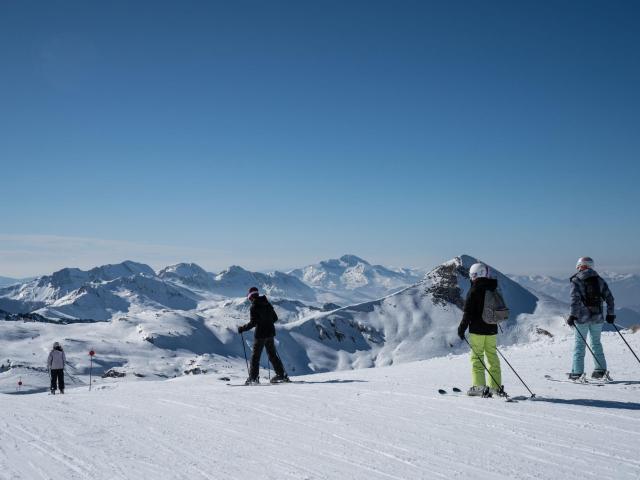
608	297
253	319
576	298
64	359
468	309
49	360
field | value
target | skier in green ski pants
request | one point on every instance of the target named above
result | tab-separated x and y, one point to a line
482	336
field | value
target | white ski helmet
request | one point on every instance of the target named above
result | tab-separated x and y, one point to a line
479	270
584	262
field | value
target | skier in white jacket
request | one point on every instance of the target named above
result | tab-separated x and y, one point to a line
55	363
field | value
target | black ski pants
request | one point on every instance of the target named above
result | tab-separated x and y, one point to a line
57	379
258	345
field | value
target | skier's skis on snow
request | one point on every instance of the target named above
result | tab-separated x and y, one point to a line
442	391
582	380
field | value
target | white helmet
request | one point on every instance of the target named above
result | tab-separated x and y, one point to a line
586	262
479	270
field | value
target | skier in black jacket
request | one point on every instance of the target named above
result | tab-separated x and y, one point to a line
262	316
482	336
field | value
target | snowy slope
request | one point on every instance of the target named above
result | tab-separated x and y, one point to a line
416	323
159	328
350	279
385	423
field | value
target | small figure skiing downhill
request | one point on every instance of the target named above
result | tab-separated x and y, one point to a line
588	290
55	363
483	303
262	317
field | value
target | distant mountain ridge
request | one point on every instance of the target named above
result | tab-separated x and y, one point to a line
184	318
352	279
417	322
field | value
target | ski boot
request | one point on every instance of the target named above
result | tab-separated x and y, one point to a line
577	377
601	375
53	392
252	381
498	392
280	379
479	391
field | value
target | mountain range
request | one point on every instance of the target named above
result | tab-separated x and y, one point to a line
184	319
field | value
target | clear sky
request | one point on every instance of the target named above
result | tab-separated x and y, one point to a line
273	134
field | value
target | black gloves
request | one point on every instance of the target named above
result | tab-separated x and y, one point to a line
240	329
611	318
571	321
461	330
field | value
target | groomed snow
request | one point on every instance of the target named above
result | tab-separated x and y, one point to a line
382	423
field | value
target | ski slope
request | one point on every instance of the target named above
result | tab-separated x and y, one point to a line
381	423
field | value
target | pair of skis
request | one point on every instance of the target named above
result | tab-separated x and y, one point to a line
441	391
264	384
485	394
584	380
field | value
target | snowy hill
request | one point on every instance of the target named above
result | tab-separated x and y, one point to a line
149	326
103	301
189	275
52	287
374	424
350	279
4	281
416	323
236	281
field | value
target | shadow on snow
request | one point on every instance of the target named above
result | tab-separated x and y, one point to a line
583	402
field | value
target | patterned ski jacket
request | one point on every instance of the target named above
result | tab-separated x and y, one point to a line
578	307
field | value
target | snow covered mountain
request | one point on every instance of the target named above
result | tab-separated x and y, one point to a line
350	279
147	325
101	301
4	281
52	287
418	322
188	274
97	294
235	281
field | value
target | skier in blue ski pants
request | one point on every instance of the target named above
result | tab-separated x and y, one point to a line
588	290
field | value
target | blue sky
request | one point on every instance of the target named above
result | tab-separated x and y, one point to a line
274	134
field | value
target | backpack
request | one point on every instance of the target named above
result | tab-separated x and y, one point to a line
592	297
495	309
273	314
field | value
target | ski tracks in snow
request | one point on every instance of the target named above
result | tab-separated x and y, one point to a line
385	423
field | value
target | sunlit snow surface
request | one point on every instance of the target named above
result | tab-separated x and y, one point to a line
383	423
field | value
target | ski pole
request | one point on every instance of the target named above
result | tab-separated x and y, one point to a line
245	353
533	395
587	345
625	341
91	354
482	362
